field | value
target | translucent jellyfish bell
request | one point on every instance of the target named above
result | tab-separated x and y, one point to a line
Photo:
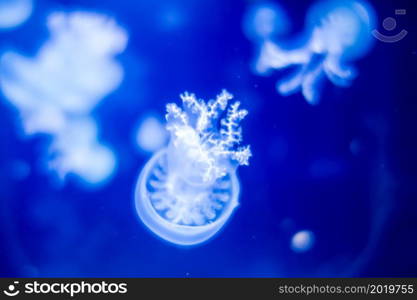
341	27
76	150
179	211
187	191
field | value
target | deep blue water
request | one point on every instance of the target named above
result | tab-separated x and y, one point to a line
345	169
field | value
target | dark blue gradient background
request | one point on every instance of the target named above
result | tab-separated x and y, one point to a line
359	199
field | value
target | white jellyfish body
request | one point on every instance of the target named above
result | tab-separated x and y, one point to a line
265	20
151	135
14	13
338	32
56	91
187	191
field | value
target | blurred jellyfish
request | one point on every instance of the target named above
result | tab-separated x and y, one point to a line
265	20
188	190
338	33
14	13
55	91
151	135
72	72
302	241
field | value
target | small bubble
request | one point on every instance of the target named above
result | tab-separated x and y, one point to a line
302	241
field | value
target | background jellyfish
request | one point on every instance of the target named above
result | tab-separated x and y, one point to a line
337	33
265	20
187	191
56	91
151	135
14	13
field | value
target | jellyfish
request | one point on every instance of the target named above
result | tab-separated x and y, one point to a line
14	13
338	33
188	190
56	91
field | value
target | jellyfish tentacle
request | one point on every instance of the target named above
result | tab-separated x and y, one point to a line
340	75
310	83
292	83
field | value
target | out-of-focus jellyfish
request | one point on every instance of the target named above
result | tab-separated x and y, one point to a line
265	20
76	150
188	190
14	13
302	241
338	33
18	169
151	135
56	91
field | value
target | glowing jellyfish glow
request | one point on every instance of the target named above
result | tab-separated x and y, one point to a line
338	32
188	190
75	150
14	12
56	91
